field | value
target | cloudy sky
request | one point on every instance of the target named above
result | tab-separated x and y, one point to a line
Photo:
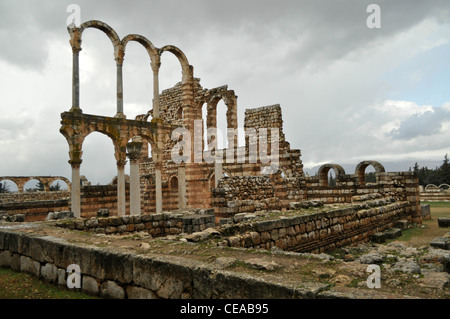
348	92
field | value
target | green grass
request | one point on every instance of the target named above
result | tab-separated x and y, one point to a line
437	204
17	285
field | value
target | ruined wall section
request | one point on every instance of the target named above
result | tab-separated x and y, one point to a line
319	232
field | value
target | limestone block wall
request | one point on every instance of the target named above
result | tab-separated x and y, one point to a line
435	196
403	186
156	225
321	231
101	196
35	210
111	274
240	194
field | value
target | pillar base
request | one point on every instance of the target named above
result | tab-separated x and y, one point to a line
75	109
120	115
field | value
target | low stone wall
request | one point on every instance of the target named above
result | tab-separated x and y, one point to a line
319	232
239	194
96	197
435	196
35	210
111	274
156	225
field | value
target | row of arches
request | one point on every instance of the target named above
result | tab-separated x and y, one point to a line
339	171
21	184
119	46
432	187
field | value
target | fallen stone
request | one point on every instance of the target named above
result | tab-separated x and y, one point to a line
444	221
378	237
371	258
436	280
393	233
262	264
408	267
401	224
223	262
441	242
103	212
64	215
425	212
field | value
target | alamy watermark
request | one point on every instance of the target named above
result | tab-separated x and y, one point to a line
74	277
74	16
374	280
374	19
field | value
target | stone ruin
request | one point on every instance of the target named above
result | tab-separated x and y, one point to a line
253	196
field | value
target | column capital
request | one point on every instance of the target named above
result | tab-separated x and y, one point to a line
121	163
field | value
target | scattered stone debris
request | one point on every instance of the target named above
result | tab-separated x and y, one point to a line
444	221
262	264
60	215
103	212
12	218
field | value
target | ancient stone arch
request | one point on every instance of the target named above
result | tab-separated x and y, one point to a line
430	187
212	98
46	181
444	186
323	173
361	168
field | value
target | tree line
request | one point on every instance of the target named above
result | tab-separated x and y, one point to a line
437	176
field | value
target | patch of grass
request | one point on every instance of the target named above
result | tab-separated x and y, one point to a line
437	204
354	283
17	285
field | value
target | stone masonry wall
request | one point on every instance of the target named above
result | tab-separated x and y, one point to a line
156	225
321	231
111	274
240	194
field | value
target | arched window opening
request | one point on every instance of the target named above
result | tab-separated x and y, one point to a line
97	78
58	185
221	122
8	186
137	80
99	163
33	185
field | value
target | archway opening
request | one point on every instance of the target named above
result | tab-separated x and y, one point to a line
99	163
8	186
221	122
98	78
137	81
33	185
58	185
170	72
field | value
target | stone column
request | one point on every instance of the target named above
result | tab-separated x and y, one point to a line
181	186
218	172
119	62
134	154
155	68
75	80
75	42
121	199
158	190
75	197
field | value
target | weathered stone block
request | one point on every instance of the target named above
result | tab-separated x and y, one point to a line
134	292
49	272
90	285
30	266
112	290
444	221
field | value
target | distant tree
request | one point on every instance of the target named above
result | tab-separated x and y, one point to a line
54	188
437	176
331	181
4	188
